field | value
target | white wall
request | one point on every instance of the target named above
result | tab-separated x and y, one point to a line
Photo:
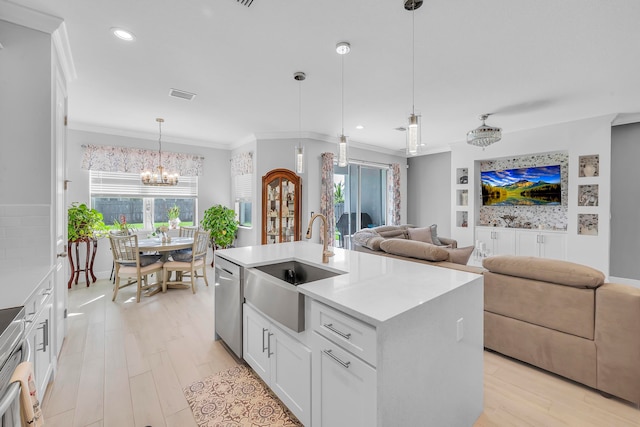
578	138
214	185
430	175
25	115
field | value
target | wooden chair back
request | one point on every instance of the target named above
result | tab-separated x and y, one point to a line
125	249
188	231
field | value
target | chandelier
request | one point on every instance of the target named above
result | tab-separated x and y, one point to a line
484	135
161	177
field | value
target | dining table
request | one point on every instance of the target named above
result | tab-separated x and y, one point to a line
165	248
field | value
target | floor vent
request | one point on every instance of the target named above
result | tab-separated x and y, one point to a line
245	2
176	93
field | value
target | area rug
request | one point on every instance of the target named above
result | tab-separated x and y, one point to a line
237	397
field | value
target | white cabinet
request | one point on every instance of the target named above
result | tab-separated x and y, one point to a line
498	241
38	331
344	387
544	244
523	242
344	384
282	362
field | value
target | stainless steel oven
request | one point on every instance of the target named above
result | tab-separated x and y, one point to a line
14	349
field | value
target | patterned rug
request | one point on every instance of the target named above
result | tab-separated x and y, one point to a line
237	397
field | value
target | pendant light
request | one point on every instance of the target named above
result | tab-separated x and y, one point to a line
299	149
413	129
342	48
161	178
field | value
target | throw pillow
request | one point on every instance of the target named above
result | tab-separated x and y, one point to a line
420	234
460	255
414	249
434	235
144	260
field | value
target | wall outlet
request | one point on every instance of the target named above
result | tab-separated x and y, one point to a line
460	329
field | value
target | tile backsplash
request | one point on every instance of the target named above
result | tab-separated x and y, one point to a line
25	236
545	217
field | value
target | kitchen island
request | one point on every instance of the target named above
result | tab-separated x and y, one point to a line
388	342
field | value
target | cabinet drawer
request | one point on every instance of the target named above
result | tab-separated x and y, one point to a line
37	300
353	335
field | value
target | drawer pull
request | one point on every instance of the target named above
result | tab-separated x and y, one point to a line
336	358
330	327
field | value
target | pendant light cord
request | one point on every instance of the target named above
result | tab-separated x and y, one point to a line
342	101
299	113
413	58
160	143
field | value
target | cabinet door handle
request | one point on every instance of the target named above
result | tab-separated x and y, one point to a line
336	358
330	327
43	327
264	348
46	333
269	353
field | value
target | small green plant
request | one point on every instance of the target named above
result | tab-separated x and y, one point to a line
85	223
220	222
173	212
338	193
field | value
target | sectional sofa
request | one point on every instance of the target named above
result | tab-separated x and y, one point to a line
553	314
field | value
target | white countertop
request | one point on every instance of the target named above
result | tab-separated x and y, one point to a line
373	288
17	286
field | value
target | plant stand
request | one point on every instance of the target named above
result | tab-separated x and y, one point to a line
92	248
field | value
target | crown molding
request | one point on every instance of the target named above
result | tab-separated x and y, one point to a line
625	119
61	44
27	17
86	127
326	138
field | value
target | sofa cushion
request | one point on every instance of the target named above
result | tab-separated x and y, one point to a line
563	308
414	249
422	234
547	270
459	255
374	242
396	233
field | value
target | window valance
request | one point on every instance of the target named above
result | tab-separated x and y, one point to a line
107	158
242	163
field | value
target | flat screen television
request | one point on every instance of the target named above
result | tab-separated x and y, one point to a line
535	186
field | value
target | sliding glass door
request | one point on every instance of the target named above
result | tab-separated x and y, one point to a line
360	199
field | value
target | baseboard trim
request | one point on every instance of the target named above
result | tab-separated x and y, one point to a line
624	281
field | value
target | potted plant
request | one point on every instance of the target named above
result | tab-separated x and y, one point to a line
85	223
173	213
221	223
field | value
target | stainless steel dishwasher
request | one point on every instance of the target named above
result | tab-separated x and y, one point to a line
229	297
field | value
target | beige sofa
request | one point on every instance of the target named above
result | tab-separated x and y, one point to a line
562	317
396	242
559	316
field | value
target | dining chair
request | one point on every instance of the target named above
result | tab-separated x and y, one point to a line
112	276
188	231
188	264
133	266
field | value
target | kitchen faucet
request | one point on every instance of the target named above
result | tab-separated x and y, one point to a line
326	253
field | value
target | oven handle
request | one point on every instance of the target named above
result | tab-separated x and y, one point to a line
14	389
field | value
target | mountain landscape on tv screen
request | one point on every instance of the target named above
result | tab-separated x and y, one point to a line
522	187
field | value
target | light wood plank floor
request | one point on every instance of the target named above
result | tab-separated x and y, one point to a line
124	364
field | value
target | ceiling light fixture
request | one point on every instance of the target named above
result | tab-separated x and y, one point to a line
299	149
161	178
359	127
484	135
123	34
342	48
413	128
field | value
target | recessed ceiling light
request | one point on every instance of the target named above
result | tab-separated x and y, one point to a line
123	34
359	127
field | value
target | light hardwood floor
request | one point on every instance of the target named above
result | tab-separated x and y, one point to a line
124	364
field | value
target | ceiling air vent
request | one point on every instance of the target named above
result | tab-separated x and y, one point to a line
245	2
177	93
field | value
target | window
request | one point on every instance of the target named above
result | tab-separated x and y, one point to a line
243	195
145	207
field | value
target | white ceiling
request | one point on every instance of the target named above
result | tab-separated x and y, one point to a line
532	63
